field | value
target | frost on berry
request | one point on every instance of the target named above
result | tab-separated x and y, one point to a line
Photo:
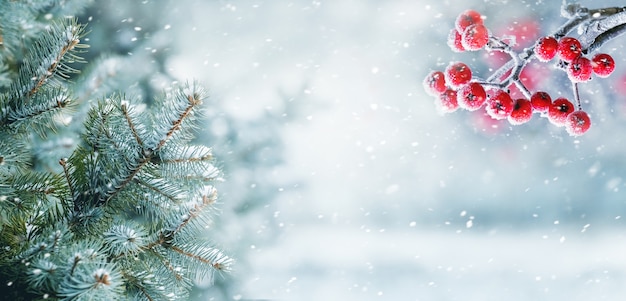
577	123
580	70
446	102
540	101
475	37
559	110
458	74
467	18
500	105
522	111
569	49
546	48
471	96
435	83
603	64
454	41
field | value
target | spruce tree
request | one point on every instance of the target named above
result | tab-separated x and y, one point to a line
102	197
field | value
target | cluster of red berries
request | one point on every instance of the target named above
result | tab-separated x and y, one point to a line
569	50
469	33
455	87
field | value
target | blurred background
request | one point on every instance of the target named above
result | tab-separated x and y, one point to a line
341	179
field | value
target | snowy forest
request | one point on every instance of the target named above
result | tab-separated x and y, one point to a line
337	176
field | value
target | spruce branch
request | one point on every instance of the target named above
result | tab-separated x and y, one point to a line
186	155
68	178
207	256
160	172
116	218
14	158
179	111
130	116
191	252
161	188
124	239
106	130
93	282
174	272
188	164
130	172
53	51
193	213
36	116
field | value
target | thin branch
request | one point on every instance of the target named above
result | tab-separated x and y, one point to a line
215	265
168	265
577	96
145	293
143	183
13	116
522	88
56	61
127	180
74	265
195	211
131	125
605	37
165	239
193	101
189	160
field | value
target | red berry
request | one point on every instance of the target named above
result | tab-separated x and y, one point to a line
546	48
446	102
580	70
454	41
467	18
603	64
569	49
522	111
559	110
458	74
471	96
540	101
500	105
475	37
435	83
577	123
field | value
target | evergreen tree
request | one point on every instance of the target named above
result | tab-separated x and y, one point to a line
101	197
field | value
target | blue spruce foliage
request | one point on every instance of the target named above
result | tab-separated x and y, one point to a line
102	195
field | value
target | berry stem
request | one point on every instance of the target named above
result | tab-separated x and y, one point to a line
500	45
523	89
501	71
577	96
514	65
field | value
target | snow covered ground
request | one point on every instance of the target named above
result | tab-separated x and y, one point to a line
389	200
339	263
